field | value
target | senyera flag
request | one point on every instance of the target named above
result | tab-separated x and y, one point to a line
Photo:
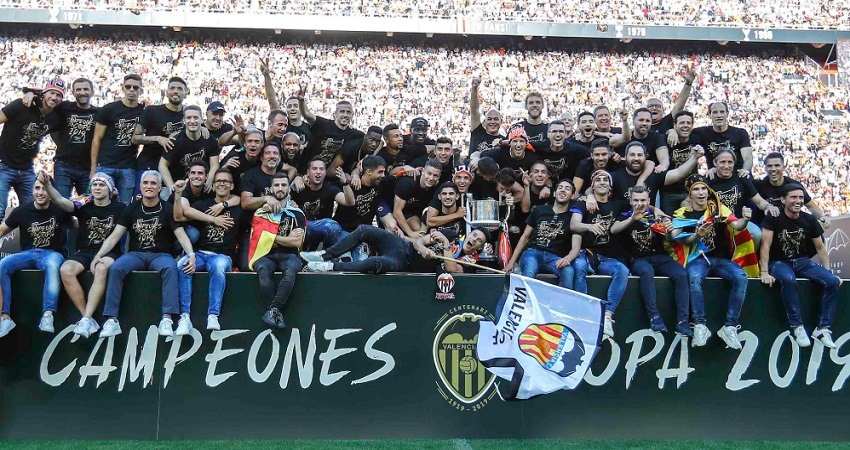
544	339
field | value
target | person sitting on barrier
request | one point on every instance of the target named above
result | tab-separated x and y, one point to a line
445	211
40	224
256	191
396	254
537	188
770	188
713	239
547	242
788	244
601	250
317	201
276	237
97	214
412	196
152	229
215	248
643	236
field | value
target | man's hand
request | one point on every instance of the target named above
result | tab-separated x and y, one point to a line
461	212
509	266
223	222
638	215
342	176
189	265
231	163
702	230
509	200
772	210
179	187
824	223
264	66
689	75
297	233
395	230
476	81
526	178
215	210
356	183
205	133
415	234
28	98
697	151
746	213
767	278
598	229
167	143
744	173
562	262
615	156
298	184
711	173
590	204
94	262
672	138
545	192
43	177
238	124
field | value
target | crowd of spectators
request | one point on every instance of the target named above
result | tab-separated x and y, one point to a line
799	14
769	90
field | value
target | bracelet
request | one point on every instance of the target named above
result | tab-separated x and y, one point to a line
191	255
689	83
225	205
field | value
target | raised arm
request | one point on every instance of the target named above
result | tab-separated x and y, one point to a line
690	75
267	78
63	203
474	106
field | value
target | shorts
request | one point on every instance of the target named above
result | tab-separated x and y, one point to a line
86	256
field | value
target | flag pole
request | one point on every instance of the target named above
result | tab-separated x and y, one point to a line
477	266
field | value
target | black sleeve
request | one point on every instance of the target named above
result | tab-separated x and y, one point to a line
749	189
419	161
248	183
815	229
745	139
14	108
13	219
404	188
146	120
103	116
125	219
769	222
531	220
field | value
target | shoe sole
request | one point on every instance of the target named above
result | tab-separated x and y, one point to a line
9	330
309	259
726	341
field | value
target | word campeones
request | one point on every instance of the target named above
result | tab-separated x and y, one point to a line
136	364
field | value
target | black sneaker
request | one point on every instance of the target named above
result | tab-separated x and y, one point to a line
271	317
279	320
657	325
684	328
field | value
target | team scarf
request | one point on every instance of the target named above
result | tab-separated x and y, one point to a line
264	228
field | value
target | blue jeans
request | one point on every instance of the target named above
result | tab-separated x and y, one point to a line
581	268
532	260
725	269
786	273
217	265
619	274
324	231
287	263
129	262
646	268
20	179
66	176
125	181
37	258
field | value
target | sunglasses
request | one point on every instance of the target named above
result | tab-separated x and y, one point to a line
132	87
222	182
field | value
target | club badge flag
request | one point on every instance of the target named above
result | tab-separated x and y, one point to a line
544	339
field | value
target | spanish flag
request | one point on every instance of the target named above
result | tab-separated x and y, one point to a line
264	228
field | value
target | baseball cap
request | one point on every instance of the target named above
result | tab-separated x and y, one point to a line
516	132
419	122
215	107
56	84
463	168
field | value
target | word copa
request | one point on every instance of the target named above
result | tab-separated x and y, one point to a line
136	364
735	381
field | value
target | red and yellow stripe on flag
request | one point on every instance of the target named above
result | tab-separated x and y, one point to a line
542	342
264	228
744	252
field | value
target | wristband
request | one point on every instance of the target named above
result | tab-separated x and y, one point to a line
225	205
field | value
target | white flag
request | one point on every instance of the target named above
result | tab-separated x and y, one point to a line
544	340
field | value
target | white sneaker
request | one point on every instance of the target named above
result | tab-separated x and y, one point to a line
701	335
608	327
46	323
802	337
825	336
323	266
729	334
110	328
184	325
82	328
313	256
165	327
212	322
93	326
6	326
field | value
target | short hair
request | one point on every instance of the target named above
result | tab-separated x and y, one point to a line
257	131
791	187
641	110
274	145
274	113
434	163
444	140
638	189
343	102
83	80
556	122
584	113
372	162
484	231
200	162
155	173
682	113
374	129
290	134
177	80
317	158
506	177
133	76
448	185
568	181
193	108
600	143
291	98
532	94
635	144
388	128
723	151
281	175
541	162
488	166
599	108
223	170
725	106
775	155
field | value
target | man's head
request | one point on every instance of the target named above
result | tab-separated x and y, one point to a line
635	157
557	133
372	141
774	164
462	178
271	156
719	114
132	87
793	198
215	116
534	105
448	193
656	109
151	184
600	152
518	141
291	145
39	194
443	150
505	181
488	168
419	129
198	171
316	171
539	174
698	191
393	136
280	186
192	118
222	182
639	197
343	114
293	109
586	124
725	161
492	121
176	91
475	240
102	186
53	92
431	173
254	140
277	122
684	124
641	122
564	192
374	170
600	182
602	115
83	89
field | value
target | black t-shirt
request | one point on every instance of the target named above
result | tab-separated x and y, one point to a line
416	197
414	149
73	138
457	226
186	151
221	131
773	194
538	135
214	238
96	223
363	211
191	197
24	129
116	149
327	140
482	189
151	228
287	225
792	238
605	244
244	166
157	121
257	182
352	152
679	154
39	228
653	141
639	241
733	192
551	231
623	181
480	140
304	132
733	138
572	140
586	168
318	204
716	241
502	156
663	126
400	159
563	164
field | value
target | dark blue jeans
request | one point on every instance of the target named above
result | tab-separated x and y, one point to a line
125	181
532	260
393	251
646	268
132	261
217	266
786	272
19	179
287	263
66	177
699	268
612	267
324	231
37	258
